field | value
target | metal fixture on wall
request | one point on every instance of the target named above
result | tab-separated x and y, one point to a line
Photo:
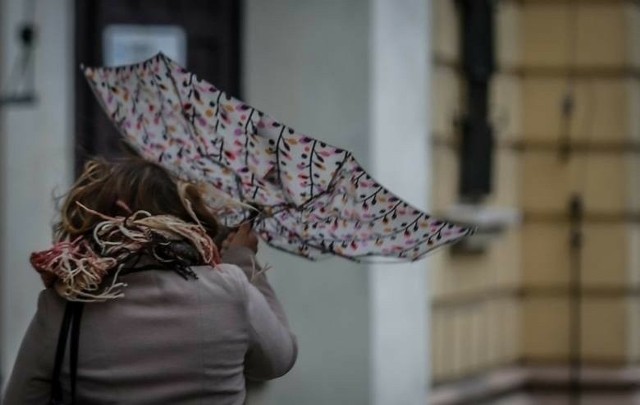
20	83
575	209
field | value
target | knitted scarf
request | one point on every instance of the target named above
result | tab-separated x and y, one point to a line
77	267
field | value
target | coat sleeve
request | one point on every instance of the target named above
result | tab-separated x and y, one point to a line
30	381
273	348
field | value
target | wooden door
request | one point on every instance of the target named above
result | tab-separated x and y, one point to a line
212	32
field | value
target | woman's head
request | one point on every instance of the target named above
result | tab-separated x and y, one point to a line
129	185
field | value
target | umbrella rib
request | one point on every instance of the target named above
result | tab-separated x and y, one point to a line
255	191
344	194
329	187
427	239
215	130
373	236
278	155
221	152
154	83
358	258
194	114
325	253
313	151
354	198
199	139
278	171
338	169
247	139
220	156
192	117
246	124
177	89
135	100
390	211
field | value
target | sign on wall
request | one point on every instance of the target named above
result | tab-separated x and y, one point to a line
125	44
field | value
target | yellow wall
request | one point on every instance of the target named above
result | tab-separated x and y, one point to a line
476	309
512	303
590	49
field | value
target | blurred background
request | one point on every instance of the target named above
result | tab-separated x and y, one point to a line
519	115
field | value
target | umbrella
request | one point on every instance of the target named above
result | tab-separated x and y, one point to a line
313	199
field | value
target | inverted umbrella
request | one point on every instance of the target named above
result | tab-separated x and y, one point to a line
313	199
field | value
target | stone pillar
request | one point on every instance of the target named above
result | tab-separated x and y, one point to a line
353	73
36	160
400	153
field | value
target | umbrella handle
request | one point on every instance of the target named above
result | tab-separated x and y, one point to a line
251	219
254	214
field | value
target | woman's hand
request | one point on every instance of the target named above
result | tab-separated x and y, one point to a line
243	236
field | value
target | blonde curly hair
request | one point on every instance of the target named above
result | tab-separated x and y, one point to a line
128	185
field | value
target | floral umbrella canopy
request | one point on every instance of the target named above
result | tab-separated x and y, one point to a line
312	198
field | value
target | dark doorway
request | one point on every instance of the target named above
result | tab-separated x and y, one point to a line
211	33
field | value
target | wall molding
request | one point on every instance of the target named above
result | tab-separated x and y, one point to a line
532	144
460	301
525	71
507	381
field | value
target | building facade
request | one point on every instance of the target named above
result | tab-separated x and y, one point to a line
564	106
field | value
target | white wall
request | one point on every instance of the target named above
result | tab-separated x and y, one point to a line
400	155
353	73
306	62
35	160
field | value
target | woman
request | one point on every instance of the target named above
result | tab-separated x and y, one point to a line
155	314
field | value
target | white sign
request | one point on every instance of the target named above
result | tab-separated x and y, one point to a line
125	44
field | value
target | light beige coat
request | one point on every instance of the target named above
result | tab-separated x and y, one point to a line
168	341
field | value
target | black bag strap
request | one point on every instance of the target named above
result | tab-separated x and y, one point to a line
55	397
70	323
74	346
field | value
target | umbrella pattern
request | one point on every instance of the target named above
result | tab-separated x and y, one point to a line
314	199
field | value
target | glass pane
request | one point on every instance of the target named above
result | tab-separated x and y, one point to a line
125	44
